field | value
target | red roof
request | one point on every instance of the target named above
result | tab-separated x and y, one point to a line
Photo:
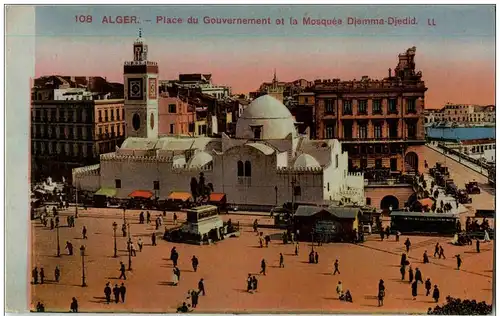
141	194
183	196
217	197
478	141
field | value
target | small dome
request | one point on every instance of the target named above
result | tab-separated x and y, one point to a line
200	159
306	161
273	116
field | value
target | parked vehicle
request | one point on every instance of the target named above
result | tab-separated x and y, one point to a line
472	188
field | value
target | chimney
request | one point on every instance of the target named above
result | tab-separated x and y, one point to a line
390	72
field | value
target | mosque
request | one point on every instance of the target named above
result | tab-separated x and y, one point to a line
267	163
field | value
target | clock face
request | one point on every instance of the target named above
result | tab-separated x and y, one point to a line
135	89
152	88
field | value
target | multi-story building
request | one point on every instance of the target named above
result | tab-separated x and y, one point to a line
379	122
197	82
176	117
461	114
66	134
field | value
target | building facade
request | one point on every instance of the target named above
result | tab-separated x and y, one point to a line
462	114
69	133
176	117
379	122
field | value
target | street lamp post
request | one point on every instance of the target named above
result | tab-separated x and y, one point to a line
114	236
312	240
293	194
82	253
129	249
276	194
124	222
76	202
58	245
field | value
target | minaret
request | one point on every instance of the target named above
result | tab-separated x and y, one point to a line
275	90
140	78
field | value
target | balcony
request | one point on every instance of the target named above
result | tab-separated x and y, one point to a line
392	111
371	140
377	112
347	112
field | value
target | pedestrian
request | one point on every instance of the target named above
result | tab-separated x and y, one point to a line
51	224
73	308
139	244
403	259
414	286
428	287
34	274
157	223
124	230
40	307
410	274
84	232
435	294
441	252
436	250
398	234
255	225
194	263
68	220
268	240
459	261
42	275
175	219
336	267
407	244
249	283
153	239
477	245
282	261
201	287
132	249
263	267
418	276
403	272
381	293
148	217
116	293
122	271
426	257
382	234
387	232
316	257
255	283
175	257
123	290
107	293
175	277
194	298
69	246
141	218
339	288
57	273
297	248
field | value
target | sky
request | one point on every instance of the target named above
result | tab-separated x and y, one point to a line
456	55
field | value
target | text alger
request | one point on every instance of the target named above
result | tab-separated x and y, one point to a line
120	19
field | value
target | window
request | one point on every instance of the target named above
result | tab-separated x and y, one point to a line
248	169
363	131
330	131
378	163
172	108
377	106
118	183
117	114
257	131
112	131
410	106
240	169
336	161
156	185
368	201
392	106
394	164
364	163
297	191
329	108
393	129
362	107
378	130
171	128
306	100
347	109
112	114
347	130
100	116
412	130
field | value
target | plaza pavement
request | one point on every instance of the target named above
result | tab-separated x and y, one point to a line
299	287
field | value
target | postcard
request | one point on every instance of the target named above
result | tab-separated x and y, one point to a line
330	159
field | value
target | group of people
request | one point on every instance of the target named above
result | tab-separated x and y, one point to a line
40	275
117	292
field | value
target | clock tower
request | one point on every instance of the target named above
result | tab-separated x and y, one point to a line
140	79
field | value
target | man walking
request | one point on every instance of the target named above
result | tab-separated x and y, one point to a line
316	257
336	267
436	250
42	275
201	287
139	244
418	276
441	252
459	261
175	219
403	272
477	245
194	263
407	244
123	290
153	239
34	274
107	293
57	274
122	271
428	287
249	283
148	217
84	232
282	261
116	293
435	294
69	246
263	267
426	257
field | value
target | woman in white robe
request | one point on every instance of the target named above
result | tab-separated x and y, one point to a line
175	278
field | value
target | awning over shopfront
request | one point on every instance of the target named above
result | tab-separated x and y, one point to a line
426	202
109	192
217	197
182	196
141	194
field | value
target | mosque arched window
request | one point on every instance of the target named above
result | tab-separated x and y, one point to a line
248	169
240	168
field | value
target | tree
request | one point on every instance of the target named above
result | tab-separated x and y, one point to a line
455	306
194	188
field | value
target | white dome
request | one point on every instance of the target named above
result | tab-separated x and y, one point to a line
306	161
200	159
276	120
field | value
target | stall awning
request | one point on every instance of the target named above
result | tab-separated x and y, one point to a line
141	194
426	202
183	196
217	197
109	192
